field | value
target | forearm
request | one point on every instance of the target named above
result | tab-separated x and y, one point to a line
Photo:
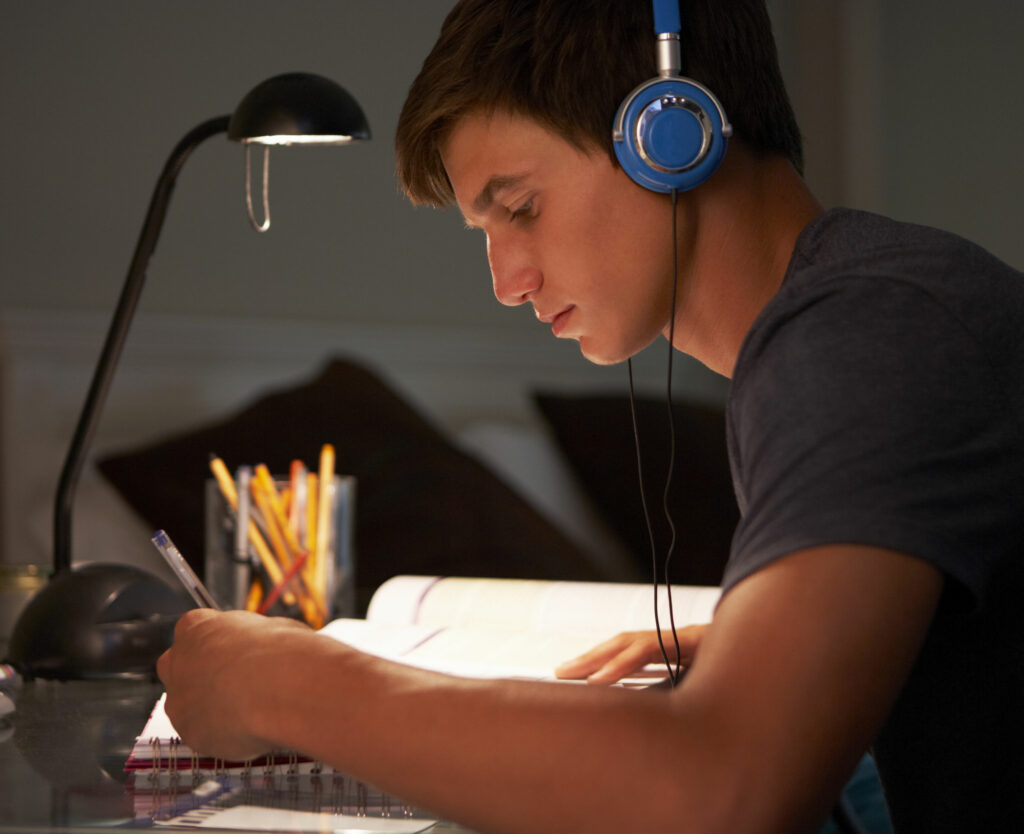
793	679
499	756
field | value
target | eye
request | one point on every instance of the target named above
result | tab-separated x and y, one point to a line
523	212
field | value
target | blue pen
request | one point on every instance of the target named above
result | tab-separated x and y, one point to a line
196	589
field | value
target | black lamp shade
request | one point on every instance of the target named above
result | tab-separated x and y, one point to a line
298	108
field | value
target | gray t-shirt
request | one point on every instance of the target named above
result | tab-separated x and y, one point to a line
879	399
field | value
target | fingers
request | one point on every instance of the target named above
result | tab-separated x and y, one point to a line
616	658
163	667
188	620
209	673
629	661
628	653
589	662
196	631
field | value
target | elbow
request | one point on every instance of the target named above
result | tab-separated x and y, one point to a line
706	780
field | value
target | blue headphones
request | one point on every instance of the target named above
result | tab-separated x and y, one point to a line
670	132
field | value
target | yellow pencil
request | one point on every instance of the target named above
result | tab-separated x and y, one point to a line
323	521
255	596
277	511
311	512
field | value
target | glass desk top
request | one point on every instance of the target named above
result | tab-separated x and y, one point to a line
62	754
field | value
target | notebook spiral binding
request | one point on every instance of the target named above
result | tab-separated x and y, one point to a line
190	789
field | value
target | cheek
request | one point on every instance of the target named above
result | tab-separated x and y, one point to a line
632	223
632	248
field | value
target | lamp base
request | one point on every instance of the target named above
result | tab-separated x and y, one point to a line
96	621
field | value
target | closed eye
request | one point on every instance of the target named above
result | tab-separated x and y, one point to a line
524	212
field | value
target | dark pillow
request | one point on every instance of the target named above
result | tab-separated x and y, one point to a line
596	435
423	506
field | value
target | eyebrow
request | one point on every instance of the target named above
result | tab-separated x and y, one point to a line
485	199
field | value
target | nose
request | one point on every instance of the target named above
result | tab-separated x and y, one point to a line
514	276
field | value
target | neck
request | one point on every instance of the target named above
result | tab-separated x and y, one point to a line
736	238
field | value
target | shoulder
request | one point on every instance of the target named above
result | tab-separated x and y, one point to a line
867	296
881	402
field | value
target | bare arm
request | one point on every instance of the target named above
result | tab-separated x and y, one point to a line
794	677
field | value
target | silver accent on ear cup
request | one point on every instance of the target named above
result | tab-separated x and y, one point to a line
659	105
618	129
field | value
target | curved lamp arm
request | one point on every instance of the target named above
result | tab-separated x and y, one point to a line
116	334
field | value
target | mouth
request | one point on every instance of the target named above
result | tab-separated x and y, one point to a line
558	321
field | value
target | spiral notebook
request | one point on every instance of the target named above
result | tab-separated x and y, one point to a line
173	786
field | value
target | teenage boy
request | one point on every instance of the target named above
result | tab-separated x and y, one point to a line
875	430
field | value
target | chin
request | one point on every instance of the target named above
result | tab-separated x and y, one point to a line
610	354
598	356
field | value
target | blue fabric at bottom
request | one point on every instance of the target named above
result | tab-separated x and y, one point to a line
865	797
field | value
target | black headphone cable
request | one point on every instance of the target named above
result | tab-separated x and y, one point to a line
674	673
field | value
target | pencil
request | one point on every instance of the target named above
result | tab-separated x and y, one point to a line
297	508
289	575
269	503
267	559
311	512
323	521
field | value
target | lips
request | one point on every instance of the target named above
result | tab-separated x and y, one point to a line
558	321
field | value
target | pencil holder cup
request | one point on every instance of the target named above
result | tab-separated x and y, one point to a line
306	571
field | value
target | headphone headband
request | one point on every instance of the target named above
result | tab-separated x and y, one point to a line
666	17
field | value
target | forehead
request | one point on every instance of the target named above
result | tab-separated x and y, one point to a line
499	148
494	129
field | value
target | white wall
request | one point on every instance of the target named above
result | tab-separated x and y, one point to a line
93	96
952	123
912	109
909	108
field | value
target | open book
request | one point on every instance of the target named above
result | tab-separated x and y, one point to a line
519	628
489	628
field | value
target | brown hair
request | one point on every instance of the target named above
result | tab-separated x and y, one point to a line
567	65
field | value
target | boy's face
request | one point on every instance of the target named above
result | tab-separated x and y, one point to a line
567	231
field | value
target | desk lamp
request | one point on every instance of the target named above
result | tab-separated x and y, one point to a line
113	620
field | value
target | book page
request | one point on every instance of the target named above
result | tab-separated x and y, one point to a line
474	652
537	605
393	641
398	599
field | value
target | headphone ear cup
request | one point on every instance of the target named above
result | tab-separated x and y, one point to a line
670	133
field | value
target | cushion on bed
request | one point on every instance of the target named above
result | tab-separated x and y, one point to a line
596	435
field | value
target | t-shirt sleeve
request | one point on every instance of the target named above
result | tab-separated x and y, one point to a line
869	415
